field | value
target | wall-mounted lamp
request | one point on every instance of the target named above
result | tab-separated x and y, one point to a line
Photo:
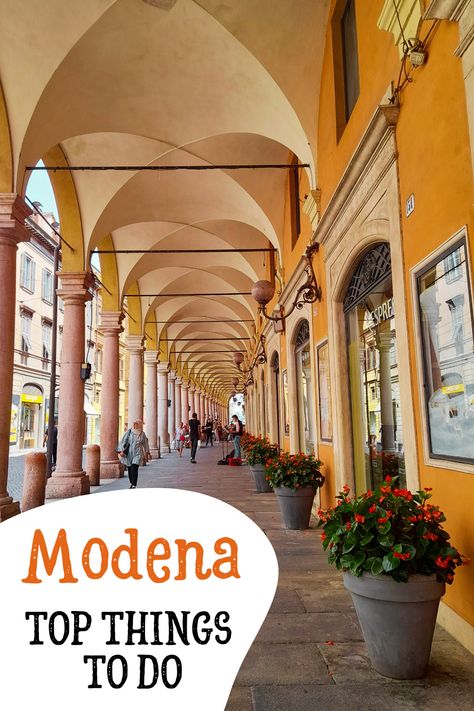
259	359
309	292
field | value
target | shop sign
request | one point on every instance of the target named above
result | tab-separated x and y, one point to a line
384	312
14	420
37	399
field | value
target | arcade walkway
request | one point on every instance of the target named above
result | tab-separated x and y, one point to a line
309	654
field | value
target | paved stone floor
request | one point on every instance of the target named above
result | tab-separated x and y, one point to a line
309	654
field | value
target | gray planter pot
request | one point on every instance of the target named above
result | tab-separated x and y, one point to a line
397	621
296	505
259	473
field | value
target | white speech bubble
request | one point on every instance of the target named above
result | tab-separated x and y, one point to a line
208	648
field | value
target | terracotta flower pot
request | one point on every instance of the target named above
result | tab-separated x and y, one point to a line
259	474
295	505
397	620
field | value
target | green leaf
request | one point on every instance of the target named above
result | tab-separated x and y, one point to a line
346	561
386	541
357	559
384	527
376	568
366	539
389	562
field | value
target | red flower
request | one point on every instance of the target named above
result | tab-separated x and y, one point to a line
373	508
386	489
348	525
382	519
401	556
359	518
428	488
323	536
442	563
388	478
345	489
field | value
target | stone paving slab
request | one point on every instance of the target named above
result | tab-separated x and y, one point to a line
309	654
283	664
362	697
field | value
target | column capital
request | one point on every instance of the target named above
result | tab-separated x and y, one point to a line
172	375
13	213
163	367
111	322
75	287
134	343
384	340
185	384
179	380
151	357
192	387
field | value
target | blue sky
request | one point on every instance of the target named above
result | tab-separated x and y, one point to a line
39	190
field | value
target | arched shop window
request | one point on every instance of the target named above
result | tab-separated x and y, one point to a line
275	367
303	385
377	430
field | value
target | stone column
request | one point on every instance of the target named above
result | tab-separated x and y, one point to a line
13	212
110	327
177	402
163	369
192	399
172	408
69	479
135	379
151	403
384	344
198	403
185	402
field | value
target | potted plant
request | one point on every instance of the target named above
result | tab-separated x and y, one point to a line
396	560
295	479
258	451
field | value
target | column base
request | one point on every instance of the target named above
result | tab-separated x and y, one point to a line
9	510
112	469
155	453
65	487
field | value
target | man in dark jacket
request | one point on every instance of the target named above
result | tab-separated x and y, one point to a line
194	433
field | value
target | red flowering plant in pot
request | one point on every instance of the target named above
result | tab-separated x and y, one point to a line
393	550
295	479
259	451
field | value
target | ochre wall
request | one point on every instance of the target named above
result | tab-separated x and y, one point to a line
435	164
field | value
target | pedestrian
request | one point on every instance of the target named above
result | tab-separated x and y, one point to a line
134	451
194	432
238	430
54	443
180	438
208	431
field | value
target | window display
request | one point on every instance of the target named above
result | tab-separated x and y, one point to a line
448	354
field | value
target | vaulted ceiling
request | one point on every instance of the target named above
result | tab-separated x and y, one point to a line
171	82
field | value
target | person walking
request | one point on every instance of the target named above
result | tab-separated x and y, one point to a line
54	443
180	438
194	432
208	431
238	430
134	451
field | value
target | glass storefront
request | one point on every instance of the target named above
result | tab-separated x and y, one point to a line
377	429
446	318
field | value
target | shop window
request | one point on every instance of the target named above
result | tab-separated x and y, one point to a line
27	273
346	62
47	286
446	319
295	201
377	431
303	384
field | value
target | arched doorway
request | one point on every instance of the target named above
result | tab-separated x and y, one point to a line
377	432
275	391
304	389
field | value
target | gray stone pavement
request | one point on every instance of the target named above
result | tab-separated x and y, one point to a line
309	654
16	465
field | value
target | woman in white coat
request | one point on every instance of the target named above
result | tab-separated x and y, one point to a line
134	451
